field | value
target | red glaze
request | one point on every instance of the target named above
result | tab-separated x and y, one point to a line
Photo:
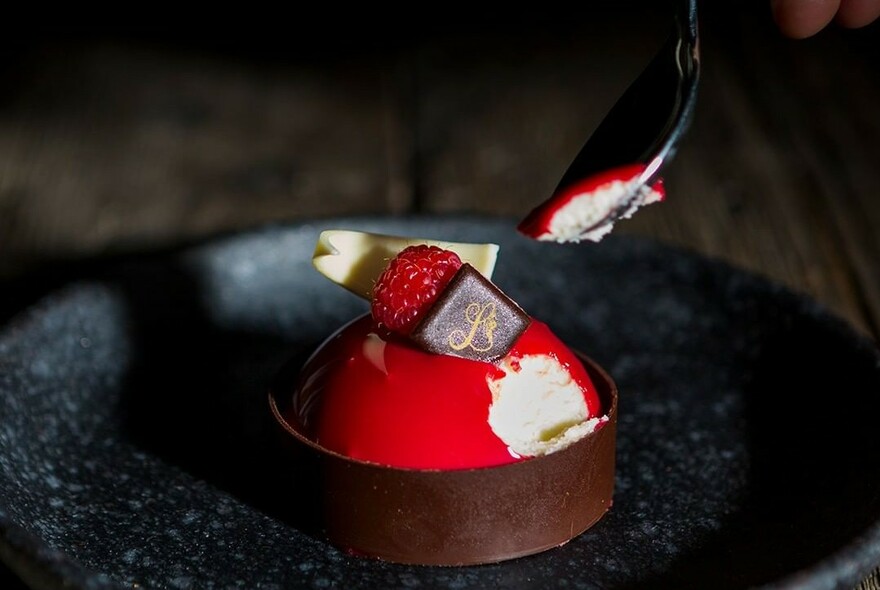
428	412
537	223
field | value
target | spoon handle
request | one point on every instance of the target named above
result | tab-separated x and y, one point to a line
617	170
646	123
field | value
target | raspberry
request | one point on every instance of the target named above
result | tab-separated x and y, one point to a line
410	283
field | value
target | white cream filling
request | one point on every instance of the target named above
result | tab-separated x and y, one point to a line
570	222
537	408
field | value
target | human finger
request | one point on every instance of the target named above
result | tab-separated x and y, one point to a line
857	13
803	18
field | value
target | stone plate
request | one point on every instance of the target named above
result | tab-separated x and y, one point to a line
136	449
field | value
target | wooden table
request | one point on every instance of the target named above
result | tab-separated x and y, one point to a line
115	143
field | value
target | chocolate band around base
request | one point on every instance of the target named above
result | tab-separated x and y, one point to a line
459	517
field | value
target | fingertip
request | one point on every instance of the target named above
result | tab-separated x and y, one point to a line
799	19
854	14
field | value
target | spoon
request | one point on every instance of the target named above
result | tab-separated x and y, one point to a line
617	169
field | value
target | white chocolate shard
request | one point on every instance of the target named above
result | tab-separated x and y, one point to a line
355	259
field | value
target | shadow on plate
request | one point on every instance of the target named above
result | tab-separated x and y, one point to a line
814	457
197	394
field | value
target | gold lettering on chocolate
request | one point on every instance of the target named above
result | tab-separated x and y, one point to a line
480	317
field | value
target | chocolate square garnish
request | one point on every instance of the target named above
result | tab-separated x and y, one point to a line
472	318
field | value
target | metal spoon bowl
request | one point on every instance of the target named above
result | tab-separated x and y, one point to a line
644	127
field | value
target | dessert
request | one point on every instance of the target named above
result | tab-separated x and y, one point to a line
588	209
449	426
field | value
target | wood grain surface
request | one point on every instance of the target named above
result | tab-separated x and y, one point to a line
146	138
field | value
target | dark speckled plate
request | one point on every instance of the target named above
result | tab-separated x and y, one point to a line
135	447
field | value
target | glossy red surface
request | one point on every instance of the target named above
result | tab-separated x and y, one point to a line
537	222
406	408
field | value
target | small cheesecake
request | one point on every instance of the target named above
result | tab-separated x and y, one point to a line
447	426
